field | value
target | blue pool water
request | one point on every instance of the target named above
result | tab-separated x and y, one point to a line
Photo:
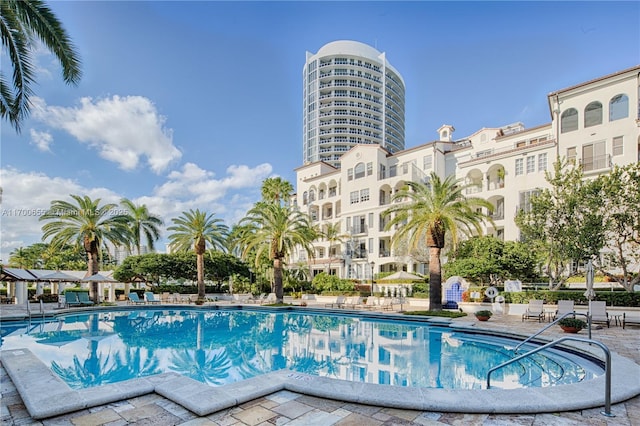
224	346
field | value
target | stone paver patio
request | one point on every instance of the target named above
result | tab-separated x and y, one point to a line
290	408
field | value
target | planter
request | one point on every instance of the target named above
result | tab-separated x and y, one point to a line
482	318
568	329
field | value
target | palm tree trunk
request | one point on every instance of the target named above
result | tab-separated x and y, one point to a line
200	267
91	247
277	279
435	279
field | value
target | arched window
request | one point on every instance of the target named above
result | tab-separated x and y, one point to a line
618	107
359	170
312	195
593	114
569	120
304	198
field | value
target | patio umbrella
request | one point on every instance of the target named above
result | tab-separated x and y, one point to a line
589	273
58	276
99	278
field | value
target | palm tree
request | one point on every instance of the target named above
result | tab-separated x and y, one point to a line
432	209
21	23
276	230
332	235
197	229
142	222
86	224
276	190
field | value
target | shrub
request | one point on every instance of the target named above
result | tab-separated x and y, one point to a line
483	313
572	322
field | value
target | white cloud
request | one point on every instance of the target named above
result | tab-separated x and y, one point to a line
26	195
42	140
122	129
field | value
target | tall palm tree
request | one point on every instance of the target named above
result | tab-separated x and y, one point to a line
430	210
86	224
276	189
276	230
196	229
142	222
22	22
333	235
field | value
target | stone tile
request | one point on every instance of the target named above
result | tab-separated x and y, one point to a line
315	418
142	412
328	405
292	409
355	419
254	415
96	418
367	410
121	422
199	422
283	396
401	414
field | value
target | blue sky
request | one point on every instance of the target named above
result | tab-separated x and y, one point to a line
192	104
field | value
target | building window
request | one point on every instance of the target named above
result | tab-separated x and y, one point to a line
305	198
359	171
525	199
370	245
383	172
617	146
369	169
531	164
542	162
427	162
370	220
572	153
354	197
519	166
349	174
594	156
593	114
618	107
569	120
364	195
312	195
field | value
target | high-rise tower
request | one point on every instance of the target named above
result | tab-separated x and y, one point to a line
352	95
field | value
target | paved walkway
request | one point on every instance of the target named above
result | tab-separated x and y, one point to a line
289	408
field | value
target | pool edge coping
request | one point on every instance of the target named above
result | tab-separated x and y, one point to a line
46	395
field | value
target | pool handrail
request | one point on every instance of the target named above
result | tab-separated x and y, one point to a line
546	327
607	366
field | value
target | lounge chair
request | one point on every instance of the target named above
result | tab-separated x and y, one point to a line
564	307
535	310
135	299
83	299
629	320
386	304
371	303
337	303
149	297
71	299
598	313
271	298
352	302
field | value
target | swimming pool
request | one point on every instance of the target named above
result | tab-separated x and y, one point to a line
227	346
324	347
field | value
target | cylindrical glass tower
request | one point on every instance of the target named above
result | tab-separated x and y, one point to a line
351	95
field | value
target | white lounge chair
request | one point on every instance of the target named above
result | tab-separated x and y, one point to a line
598	312
535	310
149	297
564	307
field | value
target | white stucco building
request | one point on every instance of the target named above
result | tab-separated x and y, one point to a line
595	123
351	95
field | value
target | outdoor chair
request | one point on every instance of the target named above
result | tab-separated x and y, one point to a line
271	298
629	320
372	302
338	303
83	299
535	310
353	302
564	307
386	304
135	299
71	299
598	313
150	297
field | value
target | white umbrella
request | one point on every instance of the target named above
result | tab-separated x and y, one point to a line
589	273
99	278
